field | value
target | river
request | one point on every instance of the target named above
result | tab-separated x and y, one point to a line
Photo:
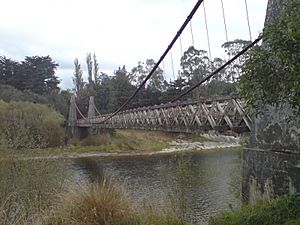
203	183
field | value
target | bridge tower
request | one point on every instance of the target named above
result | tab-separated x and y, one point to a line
91	114
91	111
271	130
72	117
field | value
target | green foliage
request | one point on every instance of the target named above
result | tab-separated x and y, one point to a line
29	125
284	210
77	79
272	73
120	89
9	93
35	73
58	100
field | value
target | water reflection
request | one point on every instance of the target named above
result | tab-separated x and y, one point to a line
201	183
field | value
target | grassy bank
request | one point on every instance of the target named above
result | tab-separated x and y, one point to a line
281	211
120	141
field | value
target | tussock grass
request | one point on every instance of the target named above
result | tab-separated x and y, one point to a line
105	203
101	203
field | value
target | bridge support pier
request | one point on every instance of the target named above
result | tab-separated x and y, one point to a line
73	130
271	164
91	114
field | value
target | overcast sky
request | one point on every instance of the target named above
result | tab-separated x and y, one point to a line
119	32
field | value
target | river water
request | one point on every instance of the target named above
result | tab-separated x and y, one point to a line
202	183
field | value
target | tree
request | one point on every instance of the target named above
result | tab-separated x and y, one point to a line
195	66
77	79
156	82
120	88
37	73
8	68
89	64
232	48
96	70
271	74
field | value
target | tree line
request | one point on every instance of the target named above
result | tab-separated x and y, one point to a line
34	79
111	91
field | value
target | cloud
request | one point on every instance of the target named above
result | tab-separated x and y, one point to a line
119	32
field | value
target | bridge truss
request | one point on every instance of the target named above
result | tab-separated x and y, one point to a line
220	115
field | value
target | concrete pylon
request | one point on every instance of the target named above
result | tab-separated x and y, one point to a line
72	116
91	111
91	114
273	10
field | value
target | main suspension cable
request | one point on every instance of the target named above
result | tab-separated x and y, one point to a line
179	32
218	70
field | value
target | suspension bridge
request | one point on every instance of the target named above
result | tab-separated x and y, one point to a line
220	114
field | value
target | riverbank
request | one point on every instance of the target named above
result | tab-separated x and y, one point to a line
129	143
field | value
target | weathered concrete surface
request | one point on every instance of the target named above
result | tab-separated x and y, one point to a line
271	166
268	174
275	128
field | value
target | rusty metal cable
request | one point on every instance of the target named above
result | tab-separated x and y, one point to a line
218	70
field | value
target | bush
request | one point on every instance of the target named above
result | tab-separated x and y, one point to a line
29	125
271	74
284	210
9	93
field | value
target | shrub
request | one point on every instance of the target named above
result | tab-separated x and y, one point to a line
29	125
284	210
271	74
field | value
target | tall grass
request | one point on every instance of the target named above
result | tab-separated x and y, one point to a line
105	203
28	188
